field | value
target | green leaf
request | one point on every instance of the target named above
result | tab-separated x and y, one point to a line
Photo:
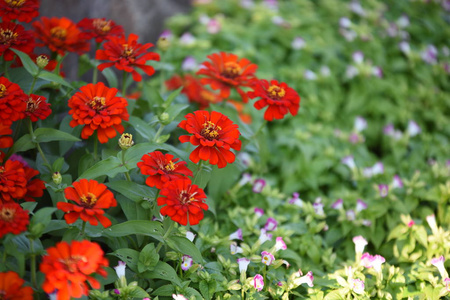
132	190
169	100
142	127
163	271
129	256
27	62
40	220
44	135
148	258
110	166
147	228
184	246
23	144
52	77
110	77
165	290
207	289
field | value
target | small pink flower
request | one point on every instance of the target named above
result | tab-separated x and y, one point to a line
308	279
298	43
358	57
259	212
259	185
258	282
189	64
295	199
264	236
383	190
235	249
357	286
366	260
179	297
350	214
397	182
377	261
186	262
447	284
360	205
411	223
271	224
413	128
360	124
438	262
349	162
267	258
243	264
318	208
338	204
213	26
237	235
120	269
280	244
360	244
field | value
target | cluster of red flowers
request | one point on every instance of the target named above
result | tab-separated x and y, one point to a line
11	287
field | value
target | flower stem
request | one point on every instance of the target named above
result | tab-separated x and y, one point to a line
158	133
127	174
33	264
169	230
199	169
95	71
124	83
46	162
263	124
83	229
34	82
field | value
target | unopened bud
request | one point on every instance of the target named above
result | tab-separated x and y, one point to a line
42	61
163	43
57	178
126	141
164	118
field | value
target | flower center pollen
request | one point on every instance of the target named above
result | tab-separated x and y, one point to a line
58	32
186	197
232	70
7	36
275	92
170	166
102	26
15	3
7	214
210	130
97	103
127	51
89	200
3	90
33	105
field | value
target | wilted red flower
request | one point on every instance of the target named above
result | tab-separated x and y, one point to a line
214	134
12	105
162	168
126	55
37	108
11	287
13	183
13	219
193	89
20	10
100	29
14	36
226	71
5	140
184	201
60	35
97	108
67	268
91	198
280	98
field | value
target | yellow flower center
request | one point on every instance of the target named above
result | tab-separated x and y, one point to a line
210	130
7	214
3	90
72	262
89	200
15	3
58	32
127	50
102	25
33	105
7	36
275	92
170	166
186	197
97	103
232	70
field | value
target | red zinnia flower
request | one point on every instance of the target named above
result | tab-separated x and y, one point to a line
280	98
183	201
126	55
91	199
14	36
11	287
214	135
5	140
12	105
67	267
35	187
225	71
13	219
100	29
193	89
162	168
13	183
37	108
97	108
60	35
20	10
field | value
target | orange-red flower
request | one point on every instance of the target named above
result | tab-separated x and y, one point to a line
35	187
101	29
5	140
162	168
12	105
37	108
98	109
91	198
60	35
184	202
67	268
14	36
193	89
13	219
127	54
13	182
214	135
226	71
20	10
11	287
280	98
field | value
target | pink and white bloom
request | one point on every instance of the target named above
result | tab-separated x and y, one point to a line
187	39
350	214
298	43
213	26
259	212
179	297
345	22
397	182
338	204
360	205
308	279
360	244
295	199
366	260
438	262
237	235
235	249
404	47
120	269
431	220
280	244
349	162
378	168
377	72
267	258
429	55
357	286
258	185
264	236
366	223
246	178
189	64
186	262
377	261
318	208
411	223
360	124
413	128
383	190
271	224
447	284
243	264
358	57
190	236
258	282
356	7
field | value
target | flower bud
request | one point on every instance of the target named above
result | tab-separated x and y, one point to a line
42	61
164	118
57	178
126	141
163	43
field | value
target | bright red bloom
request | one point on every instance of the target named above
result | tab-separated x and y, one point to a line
91	198
13	219
37	108
214	134
193	89
14	36
5	140
127	55
20	10
12	105
184	201
13	182
162	168
100	29
60	35
280	98
11	287
98	109
35	187
226	71
67	268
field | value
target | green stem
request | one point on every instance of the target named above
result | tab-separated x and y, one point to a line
199	169
95	72
33	264
263	124
83	229
127	174
169	230
124	83
158	133
46	162
34	82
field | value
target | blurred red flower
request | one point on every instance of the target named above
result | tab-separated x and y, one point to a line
98	109
67	268
226	71
37	108
184	202
127	54
91	198
20	10
13	182
11	287
12	104
162	168
13	219
5	140
213	134
35	187
60	35
246	118
14	36
279	98
101	29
